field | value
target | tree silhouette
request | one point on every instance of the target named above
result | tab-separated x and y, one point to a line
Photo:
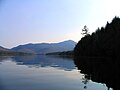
85	31
98	54
104	42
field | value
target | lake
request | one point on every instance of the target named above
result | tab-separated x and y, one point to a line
43	73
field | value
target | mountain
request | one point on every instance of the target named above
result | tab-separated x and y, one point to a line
3	49
8	52
43	48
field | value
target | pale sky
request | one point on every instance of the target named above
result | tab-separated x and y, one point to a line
36	21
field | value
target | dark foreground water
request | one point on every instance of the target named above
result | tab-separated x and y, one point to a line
43	73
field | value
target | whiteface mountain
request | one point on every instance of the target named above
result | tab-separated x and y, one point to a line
43	48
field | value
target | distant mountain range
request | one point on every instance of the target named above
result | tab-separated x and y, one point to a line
9	52
42	48
3	49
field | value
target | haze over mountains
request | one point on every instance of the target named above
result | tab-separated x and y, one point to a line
43	48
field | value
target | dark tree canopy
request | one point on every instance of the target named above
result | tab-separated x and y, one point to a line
103	42
98	55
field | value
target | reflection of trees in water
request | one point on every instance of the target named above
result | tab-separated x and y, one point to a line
3	58
85	80
101	70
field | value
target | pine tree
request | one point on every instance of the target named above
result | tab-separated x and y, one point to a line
85	31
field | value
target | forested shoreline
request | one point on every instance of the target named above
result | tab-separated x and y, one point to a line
98	55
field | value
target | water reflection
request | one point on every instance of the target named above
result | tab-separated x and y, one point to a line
2	58
52	73
101	70
45	61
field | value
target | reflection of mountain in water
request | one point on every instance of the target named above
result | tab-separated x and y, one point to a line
44	61
3	58
101	70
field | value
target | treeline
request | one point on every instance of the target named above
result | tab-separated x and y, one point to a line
65	53
105	42
98	55
10	53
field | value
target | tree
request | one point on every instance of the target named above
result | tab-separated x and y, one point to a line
85	31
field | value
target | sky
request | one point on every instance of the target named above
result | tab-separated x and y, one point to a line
37	21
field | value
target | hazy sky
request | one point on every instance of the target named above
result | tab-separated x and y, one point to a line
36	21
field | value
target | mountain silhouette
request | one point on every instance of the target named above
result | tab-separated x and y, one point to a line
3	49
43	48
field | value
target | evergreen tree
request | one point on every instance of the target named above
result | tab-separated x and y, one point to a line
85	31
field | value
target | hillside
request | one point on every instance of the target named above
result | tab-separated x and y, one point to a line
98	55
43	48
103	43
65	53
3	49
8	52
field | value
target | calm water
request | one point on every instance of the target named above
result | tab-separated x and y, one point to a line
43	73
